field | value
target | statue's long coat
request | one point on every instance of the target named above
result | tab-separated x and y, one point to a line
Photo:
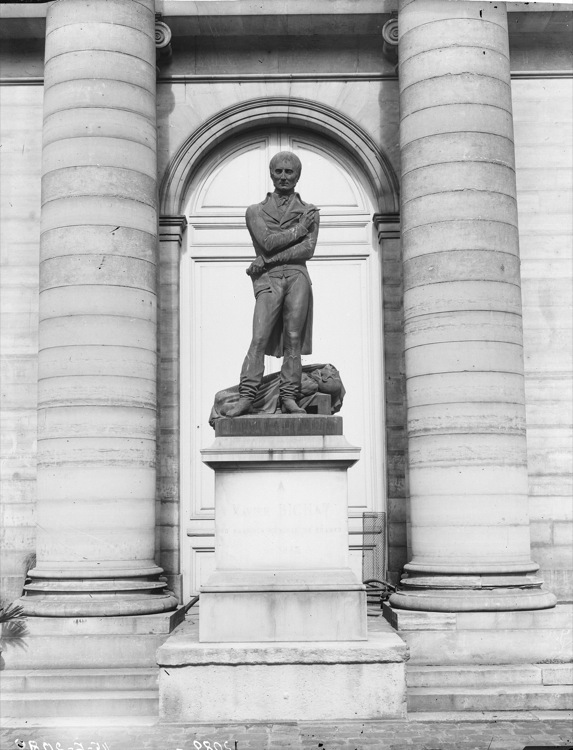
264	222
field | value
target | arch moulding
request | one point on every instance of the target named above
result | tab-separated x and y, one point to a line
257	113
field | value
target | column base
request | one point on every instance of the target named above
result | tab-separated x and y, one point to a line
313	681
485	638
471	593
47	594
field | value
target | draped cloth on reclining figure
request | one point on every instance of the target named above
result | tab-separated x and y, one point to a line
320	378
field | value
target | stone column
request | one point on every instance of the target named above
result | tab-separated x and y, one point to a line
97	359
468	524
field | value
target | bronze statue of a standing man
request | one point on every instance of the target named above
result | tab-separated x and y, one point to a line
284	231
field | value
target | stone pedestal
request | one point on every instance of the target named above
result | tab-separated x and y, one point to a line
281	531
282	630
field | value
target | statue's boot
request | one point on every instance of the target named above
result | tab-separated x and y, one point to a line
290	406
243	406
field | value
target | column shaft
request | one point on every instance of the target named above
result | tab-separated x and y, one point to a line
98	339
469	523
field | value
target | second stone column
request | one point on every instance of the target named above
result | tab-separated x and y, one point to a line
469	523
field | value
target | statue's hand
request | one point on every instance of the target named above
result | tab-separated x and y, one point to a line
308	217
256	268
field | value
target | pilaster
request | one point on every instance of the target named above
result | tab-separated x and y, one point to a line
171	232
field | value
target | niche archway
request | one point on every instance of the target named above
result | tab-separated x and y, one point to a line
217	305
279	111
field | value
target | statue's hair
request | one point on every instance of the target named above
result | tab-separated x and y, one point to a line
288	156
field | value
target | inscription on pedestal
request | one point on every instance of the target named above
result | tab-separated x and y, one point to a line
288	425
268	520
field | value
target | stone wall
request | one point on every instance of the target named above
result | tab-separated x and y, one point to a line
543	138
543	143
20	131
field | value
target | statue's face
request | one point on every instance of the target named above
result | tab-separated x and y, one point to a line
284	176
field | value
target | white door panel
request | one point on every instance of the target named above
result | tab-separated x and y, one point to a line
237	182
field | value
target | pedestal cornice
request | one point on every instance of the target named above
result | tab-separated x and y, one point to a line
301	451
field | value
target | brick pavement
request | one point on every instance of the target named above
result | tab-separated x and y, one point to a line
460	734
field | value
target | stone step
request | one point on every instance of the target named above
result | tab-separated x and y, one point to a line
66	680
495	698
79	692
80	703
488	676
92	652
90	642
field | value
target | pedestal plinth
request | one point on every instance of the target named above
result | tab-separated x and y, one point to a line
281	531
312	681
282	620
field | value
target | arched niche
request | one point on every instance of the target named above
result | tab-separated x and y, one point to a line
279	111
217	303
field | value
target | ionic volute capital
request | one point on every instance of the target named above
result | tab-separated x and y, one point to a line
390	39
163	36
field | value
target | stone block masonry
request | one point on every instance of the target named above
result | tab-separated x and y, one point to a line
543	122
20	125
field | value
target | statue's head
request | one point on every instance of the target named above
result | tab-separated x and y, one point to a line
285	169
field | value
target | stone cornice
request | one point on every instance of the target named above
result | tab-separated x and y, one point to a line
387	225
531	74
516	75
38	8
240	17
242	78
171	227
